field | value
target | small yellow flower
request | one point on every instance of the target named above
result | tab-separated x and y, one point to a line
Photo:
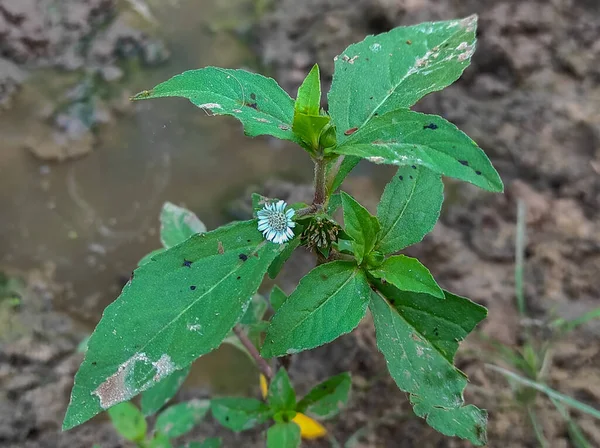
264	386
309	429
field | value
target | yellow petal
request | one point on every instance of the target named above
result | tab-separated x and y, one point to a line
264	386
309	429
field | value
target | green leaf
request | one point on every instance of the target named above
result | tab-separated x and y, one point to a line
418	336
403	137
409	208
283	435
177	224
328	398
309	93
309	129
551	393
239	414
394	70
360	225
575	434
148	257
259	202
443	322
281	259
308	122
160	441
281	395
177	308
277	298
344	165
335	202
213	442
567	326
252	324
408	274
158	395
262	106
328	302
256	310
179	419
128	421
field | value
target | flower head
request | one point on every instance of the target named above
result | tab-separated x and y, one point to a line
275	222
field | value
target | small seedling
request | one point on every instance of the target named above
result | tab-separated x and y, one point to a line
533	360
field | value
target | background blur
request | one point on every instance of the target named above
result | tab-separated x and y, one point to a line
84	172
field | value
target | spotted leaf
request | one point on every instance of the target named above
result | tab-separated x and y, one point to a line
418	335
262	106
394	70
177	307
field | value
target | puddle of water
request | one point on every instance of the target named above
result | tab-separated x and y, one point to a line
95	217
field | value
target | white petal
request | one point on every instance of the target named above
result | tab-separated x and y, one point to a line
291	224
290	213
262	214
281	206
290	233
262	226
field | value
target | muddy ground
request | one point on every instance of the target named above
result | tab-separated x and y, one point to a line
531	99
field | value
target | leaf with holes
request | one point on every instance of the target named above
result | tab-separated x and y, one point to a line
176	308
328	302
328	398
158	395
177	224
239	414
360	225
418	335
408	274
403	137
262	106
409	208
181	418
394	70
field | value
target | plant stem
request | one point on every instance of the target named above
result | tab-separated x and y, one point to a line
320	185
261	362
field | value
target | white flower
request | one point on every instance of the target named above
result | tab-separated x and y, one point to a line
276	223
